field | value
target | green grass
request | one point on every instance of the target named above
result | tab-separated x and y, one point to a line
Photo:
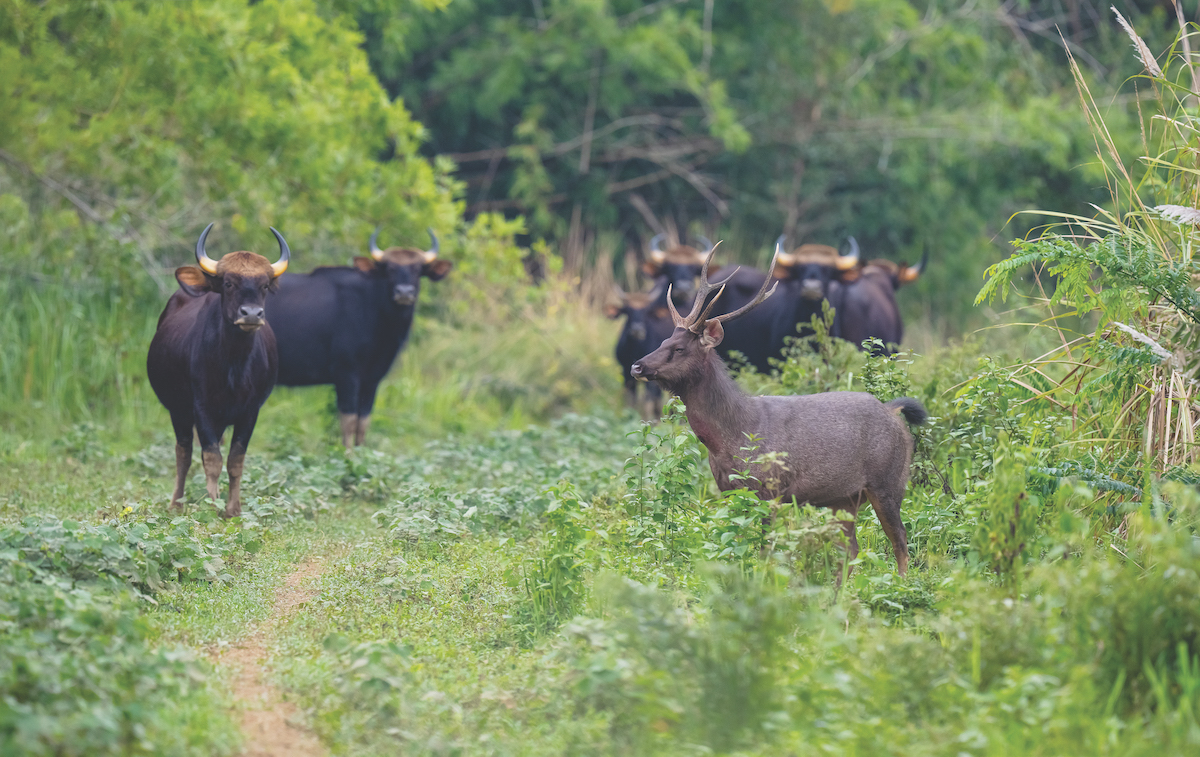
497	579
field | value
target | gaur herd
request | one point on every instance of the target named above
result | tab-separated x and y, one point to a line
241	324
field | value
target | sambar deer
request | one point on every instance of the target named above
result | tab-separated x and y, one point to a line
842	448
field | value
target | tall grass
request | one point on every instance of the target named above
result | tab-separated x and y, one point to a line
73	353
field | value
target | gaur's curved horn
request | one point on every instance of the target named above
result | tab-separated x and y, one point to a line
910	274
279	266
704	241
782	259
656	251
919	268
432	253
374	247
848	262
207	264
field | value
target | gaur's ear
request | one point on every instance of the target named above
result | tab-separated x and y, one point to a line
612	311
436	269
192	280
661	312
848	276
650	268
713	268
712	335
366	265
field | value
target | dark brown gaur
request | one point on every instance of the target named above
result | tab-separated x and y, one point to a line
841	448
867	306
346	325
213	362
647	324
676	267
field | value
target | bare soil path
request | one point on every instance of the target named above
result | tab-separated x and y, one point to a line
272	726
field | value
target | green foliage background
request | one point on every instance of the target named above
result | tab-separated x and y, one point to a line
510	576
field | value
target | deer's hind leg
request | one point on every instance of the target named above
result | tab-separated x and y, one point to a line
887	508
849	506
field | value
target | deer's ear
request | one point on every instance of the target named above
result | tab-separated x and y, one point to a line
712	335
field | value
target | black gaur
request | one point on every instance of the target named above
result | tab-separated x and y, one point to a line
807	276
647	324
868	306
212	361
345	325
676	268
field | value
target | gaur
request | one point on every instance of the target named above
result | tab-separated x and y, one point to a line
675	269
345	325
841	448
647	324
213	361
808	276
868	306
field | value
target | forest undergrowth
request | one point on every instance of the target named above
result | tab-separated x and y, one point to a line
515	567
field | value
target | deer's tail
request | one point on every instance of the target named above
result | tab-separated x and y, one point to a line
913	411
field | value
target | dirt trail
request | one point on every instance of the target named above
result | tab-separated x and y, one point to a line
272	726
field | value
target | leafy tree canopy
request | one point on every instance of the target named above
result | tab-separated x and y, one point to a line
913	126
154	118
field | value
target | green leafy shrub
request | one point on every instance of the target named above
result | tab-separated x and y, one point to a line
666	484
79	676
706	675
1008	524
553	578
139	548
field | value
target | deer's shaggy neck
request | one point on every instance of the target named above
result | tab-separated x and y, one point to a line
718	411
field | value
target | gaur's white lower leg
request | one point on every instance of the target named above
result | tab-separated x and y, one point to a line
349	423
237	459
212	472
364	422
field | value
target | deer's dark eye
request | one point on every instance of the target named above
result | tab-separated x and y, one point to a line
678	350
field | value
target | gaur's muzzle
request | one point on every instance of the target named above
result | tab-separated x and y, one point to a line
404	294
811	289
637	331
683	290
250	318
